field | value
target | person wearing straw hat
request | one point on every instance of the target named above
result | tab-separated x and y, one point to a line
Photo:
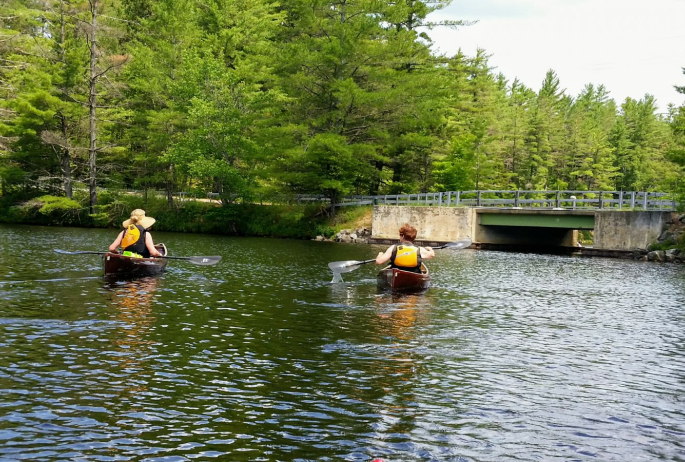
136	240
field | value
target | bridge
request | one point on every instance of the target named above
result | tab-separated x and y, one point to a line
557	199
616	230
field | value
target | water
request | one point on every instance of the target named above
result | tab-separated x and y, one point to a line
506	357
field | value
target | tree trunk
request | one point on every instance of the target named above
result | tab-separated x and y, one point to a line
169	195
396	171
376	184
65	160
92	101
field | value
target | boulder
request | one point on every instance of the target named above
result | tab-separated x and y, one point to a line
657	255
666	236
639	253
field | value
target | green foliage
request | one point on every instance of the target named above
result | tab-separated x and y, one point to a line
663	245
52	204
586	237
252	100
48	210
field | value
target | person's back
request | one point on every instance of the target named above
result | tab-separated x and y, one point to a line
406	255
136	240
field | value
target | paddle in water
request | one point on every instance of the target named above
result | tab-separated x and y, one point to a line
196	260
339	267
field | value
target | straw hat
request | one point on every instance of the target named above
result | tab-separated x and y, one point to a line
138	218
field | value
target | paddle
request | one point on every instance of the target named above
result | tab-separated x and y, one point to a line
205	261
351	265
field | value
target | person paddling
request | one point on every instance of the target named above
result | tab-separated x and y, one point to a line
136	240
405	255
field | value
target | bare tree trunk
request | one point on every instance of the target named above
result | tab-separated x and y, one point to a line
65	159
92	102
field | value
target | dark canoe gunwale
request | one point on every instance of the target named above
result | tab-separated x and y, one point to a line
403	281
120	266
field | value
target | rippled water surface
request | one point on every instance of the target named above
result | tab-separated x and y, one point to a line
507	356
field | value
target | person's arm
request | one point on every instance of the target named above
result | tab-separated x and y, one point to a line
427	253
151	246
384	257
117	242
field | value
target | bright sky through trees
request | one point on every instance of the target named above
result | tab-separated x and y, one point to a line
632	47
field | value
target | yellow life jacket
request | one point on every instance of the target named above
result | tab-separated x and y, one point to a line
131	236
406	256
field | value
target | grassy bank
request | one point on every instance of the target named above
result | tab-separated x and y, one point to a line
287	221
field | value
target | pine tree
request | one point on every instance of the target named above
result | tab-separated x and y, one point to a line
476	157
545	135
590	156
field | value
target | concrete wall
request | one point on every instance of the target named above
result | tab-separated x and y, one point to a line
442	224
627	230
614	230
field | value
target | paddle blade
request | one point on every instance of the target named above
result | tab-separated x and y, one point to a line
460	244
78	252
344	266
205	261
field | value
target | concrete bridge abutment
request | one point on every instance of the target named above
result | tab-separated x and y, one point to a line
530	228
615	230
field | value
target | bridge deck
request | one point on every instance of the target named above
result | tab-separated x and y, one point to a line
564	219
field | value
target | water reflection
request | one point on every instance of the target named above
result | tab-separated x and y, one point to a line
133	301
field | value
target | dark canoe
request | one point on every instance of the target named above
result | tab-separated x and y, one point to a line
120	266
403	281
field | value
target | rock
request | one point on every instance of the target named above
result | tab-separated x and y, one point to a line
353	236
666	236
639	253
362	232
320	238
657	255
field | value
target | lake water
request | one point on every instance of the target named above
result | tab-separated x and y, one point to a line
508	356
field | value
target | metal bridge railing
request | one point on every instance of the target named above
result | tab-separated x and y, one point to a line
528	199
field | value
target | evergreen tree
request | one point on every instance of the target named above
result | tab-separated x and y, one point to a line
545	136
590	155
515	122
639	138
475	160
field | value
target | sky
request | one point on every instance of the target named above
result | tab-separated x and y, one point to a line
632	47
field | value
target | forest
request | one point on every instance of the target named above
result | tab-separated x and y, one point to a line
256	99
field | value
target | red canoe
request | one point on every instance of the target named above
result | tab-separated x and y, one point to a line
403	281
121	266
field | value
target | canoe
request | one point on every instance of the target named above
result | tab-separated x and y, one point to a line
121	266
403	281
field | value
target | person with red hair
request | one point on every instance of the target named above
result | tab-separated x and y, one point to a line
405	255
